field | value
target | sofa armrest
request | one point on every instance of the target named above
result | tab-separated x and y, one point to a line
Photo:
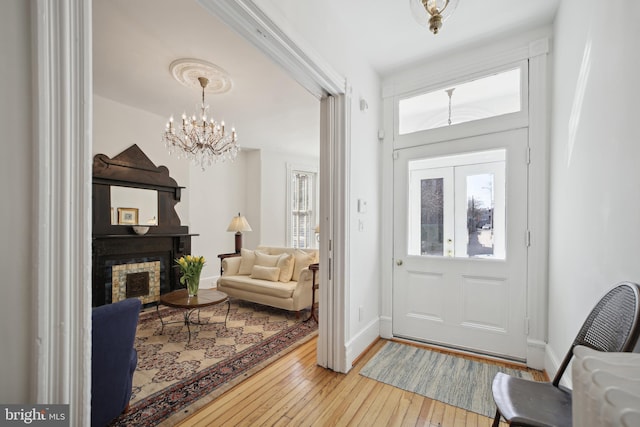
306	276
231	266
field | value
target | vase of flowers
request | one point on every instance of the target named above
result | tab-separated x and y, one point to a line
190	267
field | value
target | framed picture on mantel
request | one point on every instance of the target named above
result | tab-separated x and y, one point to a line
128	216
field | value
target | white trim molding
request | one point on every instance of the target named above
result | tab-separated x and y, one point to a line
62	297
369	334
334	233
538	203
266	31
271	34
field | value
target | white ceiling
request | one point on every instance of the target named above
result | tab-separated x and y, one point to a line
387	34
135	41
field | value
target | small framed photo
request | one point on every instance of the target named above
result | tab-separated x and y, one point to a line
128	216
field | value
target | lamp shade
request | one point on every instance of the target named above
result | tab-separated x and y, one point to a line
239	224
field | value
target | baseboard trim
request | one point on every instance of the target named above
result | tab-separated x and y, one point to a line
357	346
210	282
536	351
551	365
386	327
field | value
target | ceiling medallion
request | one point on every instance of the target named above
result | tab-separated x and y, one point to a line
187	72
199	137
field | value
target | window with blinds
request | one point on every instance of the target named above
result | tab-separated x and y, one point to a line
302	215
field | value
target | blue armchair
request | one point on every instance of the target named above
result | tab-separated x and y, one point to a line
113	359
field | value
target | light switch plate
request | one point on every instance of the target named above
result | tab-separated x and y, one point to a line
362	205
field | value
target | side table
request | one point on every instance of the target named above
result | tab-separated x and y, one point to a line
314	286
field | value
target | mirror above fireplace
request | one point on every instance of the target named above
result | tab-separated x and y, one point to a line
129	189
142	201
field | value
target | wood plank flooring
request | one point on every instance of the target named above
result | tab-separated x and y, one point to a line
294	391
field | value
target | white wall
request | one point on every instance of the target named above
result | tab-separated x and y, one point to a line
117	126
217	194
327	37
17	216
595	149
253	198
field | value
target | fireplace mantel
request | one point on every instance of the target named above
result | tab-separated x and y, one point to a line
117	244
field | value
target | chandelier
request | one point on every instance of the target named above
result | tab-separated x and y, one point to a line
201	139
437	10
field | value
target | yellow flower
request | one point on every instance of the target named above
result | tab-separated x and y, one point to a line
190	266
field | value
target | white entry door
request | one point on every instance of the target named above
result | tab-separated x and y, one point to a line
460	246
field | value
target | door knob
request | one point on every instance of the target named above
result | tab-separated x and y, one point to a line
399	262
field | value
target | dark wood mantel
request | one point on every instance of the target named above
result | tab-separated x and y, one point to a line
116	244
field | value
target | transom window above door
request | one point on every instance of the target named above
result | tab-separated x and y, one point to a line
490	96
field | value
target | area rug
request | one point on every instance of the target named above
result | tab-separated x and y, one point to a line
453	380
173	378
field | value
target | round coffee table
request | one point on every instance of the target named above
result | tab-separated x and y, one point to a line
181	299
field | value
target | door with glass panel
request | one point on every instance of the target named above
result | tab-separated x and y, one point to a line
459	243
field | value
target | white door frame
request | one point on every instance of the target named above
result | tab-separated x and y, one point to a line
307	68
535	50
63	96
62	31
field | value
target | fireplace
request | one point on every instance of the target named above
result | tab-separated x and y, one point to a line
116	258
136	280
126	264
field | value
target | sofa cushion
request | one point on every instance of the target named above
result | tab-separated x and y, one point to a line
303	260
248	259
258	286
266	260
265	273
286	262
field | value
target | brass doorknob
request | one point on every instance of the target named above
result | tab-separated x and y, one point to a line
399	262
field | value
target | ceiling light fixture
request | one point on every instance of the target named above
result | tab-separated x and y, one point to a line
200	139
450	93
437	11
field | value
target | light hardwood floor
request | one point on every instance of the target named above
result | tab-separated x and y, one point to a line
294	391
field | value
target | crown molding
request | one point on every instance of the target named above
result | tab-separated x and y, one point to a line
296	57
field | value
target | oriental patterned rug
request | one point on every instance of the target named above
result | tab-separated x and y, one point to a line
173	379
456	381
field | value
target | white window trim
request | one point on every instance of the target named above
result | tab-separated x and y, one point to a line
291	168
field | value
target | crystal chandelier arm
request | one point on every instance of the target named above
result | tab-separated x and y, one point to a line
201	141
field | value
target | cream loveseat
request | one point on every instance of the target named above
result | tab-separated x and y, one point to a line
274	276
